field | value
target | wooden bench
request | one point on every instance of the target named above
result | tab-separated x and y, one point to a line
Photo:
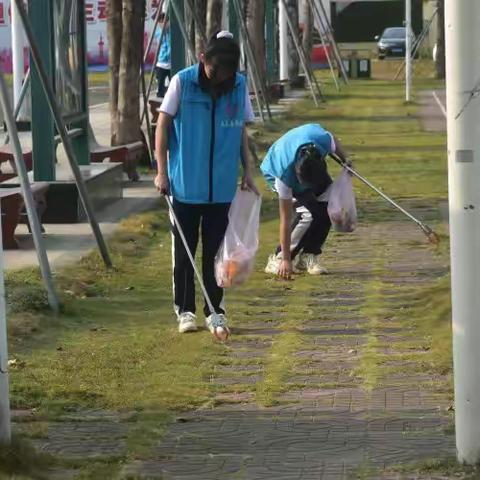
6	155
129	155
12	207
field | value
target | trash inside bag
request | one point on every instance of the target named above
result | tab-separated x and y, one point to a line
236	256
342	208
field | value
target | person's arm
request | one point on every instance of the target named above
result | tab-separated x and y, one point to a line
247	180
285	268
341	152
161	152
168	110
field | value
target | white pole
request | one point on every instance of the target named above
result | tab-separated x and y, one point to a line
408	50
283	34
462	19
5	429
18	42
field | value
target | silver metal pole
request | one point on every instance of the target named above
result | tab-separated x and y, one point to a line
23	94
301	53
418	43
463	110
283	40
154	31
181	24
150	141
330	34
321	30
5	428
18	40
62	130
28	197
152	74
408	50
257	84
21	99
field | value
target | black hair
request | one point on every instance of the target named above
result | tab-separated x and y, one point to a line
311	168
223	52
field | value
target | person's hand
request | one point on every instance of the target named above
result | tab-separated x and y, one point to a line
162	184
285	269
249	184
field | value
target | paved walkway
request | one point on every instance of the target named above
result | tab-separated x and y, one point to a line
327	425
337	411
432	110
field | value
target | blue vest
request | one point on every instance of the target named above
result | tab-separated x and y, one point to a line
282	155
164	53
205	142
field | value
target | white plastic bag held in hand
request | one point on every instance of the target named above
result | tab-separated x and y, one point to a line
342	209
236	256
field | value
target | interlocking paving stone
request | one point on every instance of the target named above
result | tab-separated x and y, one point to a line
326	425
85	439
295	443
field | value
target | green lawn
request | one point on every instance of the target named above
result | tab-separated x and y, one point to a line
115	346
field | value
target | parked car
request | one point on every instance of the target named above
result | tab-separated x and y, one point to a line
391	43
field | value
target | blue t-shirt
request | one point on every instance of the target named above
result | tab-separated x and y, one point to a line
283	154
164	55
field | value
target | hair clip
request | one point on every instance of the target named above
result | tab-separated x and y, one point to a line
224	34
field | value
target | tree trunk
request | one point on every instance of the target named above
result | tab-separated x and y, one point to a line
294	59
214	16
114	34
130	63
440	60
201	8
256	32
307	37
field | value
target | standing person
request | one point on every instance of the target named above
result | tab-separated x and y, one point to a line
163	66
296	169
201	126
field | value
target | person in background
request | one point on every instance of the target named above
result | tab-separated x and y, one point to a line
201	141
163	66
295	168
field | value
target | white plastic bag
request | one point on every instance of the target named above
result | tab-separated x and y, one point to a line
236	256
342	209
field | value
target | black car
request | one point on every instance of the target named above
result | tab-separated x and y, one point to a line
391	43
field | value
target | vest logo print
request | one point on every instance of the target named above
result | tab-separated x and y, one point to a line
232	120
231	123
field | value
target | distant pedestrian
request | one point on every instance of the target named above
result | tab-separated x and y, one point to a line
164	65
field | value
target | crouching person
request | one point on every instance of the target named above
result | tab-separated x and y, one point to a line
295	167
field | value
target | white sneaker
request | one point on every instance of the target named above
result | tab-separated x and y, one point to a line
273	264
312	264
217	324
187	322
299	264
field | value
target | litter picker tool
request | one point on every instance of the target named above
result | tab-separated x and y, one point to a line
220	330
431	235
